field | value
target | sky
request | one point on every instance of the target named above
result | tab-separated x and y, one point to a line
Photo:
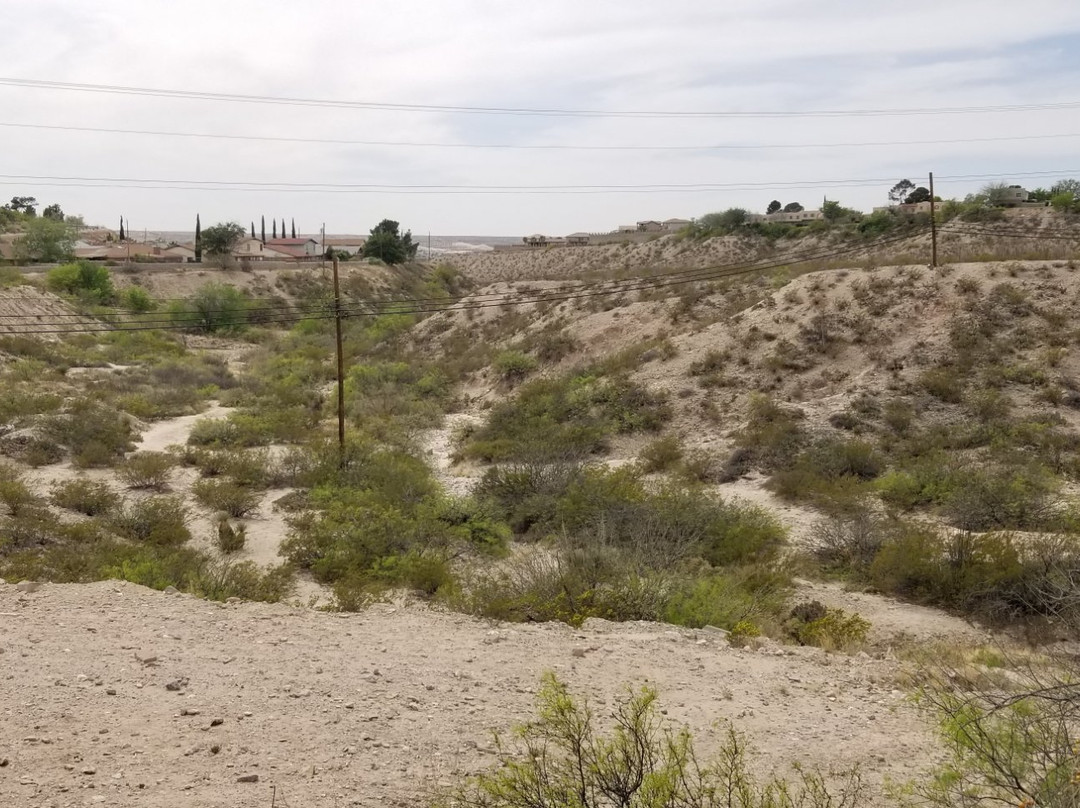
606	56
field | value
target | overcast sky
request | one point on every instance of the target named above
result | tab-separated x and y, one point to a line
680	55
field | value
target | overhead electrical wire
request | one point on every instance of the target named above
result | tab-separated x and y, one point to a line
198	95
533	146
382	188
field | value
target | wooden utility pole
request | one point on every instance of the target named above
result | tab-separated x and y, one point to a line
933	225
322	246
340	365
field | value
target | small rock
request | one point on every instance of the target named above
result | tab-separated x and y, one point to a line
186	711
578	652
28	586
248	778
217	722
89	770
110	691
215	749
4	763
171	590
177	684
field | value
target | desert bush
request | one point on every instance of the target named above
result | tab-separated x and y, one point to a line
829	473
849	541
944	384
702	466
214	307
84	279
94	434
661	454
833	631
84	496
230	538
562	759
744	632
753	594
574	415
137	300
513	366
225	495
154	520
15	494
773	435
1001	497
146	470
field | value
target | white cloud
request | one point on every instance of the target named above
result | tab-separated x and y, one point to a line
684	55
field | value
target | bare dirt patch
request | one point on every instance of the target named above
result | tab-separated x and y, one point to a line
114	692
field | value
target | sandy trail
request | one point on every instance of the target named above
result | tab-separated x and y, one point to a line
376	708
438	444
174	431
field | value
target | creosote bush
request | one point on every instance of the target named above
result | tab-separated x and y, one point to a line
84	496
149	470
225	495
562	758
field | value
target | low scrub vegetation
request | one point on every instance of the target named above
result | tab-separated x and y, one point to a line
563	757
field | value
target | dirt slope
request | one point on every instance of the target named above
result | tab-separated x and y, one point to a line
374	708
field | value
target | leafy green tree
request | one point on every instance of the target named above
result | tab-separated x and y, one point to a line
774	206
45	240
715	224
793	207
1040	195
920	194
1066	187
220	240
833	211
216	307
899	192
388	244
53	212
23	204
1064	202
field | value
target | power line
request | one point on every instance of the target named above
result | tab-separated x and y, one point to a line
534	147
198	95
389	188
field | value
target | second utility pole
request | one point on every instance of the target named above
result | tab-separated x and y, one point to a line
340	366
933	226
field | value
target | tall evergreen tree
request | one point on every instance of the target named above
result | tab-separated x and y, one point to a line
283	230
294	228
253	229
262	229
122	228
198	239
275	228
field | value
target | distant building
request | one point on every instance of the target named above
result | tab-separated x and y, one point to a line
353	245
295	247
1012	197
675	225
536	240
252	249
184	252
627	228
650	226
787	217
577	240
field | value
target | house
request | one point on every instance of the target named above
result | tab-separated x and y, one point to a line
184	252
1012	197
536	240
675	225
353	245
650	226
627	228
252	249
577	240
295	247
799	217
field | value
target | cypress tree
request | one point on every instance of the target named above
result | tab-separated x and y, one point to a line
283	231
275	228
262	229
122	228
198	239
253	229
294	228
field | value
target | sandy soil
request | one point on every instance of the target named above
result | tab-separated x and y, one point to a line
374	708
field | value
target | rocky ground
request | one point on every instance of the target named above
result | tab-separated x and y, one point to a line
117	695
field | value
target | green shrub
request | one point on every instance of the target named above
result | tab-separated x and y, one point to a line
997	497
83	279
225	495
94	434
835	631
944	384
146	470
15	494
513	366
661	454
562	759
571	416
728	597
153	520
230	538
137	300
214	307
85	496
743	633
772	437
